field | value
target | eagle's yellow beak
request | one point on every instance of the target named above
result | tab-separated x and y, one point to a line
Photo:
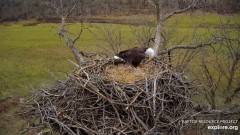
145	61
149	59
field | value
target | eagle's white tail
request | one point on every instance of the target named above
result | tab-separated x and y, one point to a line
118	58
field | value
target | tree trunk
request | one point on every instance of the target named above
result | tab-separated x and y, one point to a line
158	30
70	44
74	51
157	39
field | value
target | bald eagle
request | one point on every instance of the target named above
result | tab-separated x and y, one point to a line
135	55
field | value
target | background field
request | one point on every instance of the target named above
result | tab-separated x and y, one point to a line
30	55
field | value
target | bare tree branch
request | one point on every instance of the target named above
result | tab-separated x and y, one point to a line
69	43
62	31
193	5
214	41
234	94
158	4
151	2
220	112
70	12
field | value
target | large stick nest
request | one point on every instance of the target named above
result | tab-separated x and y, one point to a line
101	98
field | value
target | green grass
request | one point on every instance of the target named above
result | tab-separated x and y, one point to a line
27	53
205	19
30	51
183	20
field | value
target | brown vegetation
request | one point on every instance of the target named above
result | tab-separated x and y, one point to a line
129	74
89	102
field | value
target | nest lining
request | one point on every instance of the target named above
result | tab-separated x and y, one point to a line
129	74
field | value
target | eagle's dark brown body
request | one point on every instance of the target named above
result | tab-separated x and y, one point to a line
134	55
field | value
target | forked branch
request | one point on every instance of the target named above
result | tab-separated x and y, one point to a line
189	7
63	33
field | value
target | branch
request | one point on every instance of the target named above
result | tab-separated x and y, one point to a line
89	55
81	31
151	2
214	41
71	10
63	125
78	36
181	10
63	33
234	94
220	112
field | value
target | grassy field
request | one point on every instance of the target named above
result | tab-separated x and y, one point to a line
30	54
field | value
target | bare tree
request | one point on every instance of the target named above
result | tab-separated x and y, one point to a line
145	32
64	9
162	15
111	39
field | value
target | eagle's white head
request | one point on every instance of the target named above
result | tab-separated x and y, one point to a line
150	53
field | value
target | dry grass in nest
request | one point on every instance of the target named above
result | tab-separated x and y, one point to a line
128	73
